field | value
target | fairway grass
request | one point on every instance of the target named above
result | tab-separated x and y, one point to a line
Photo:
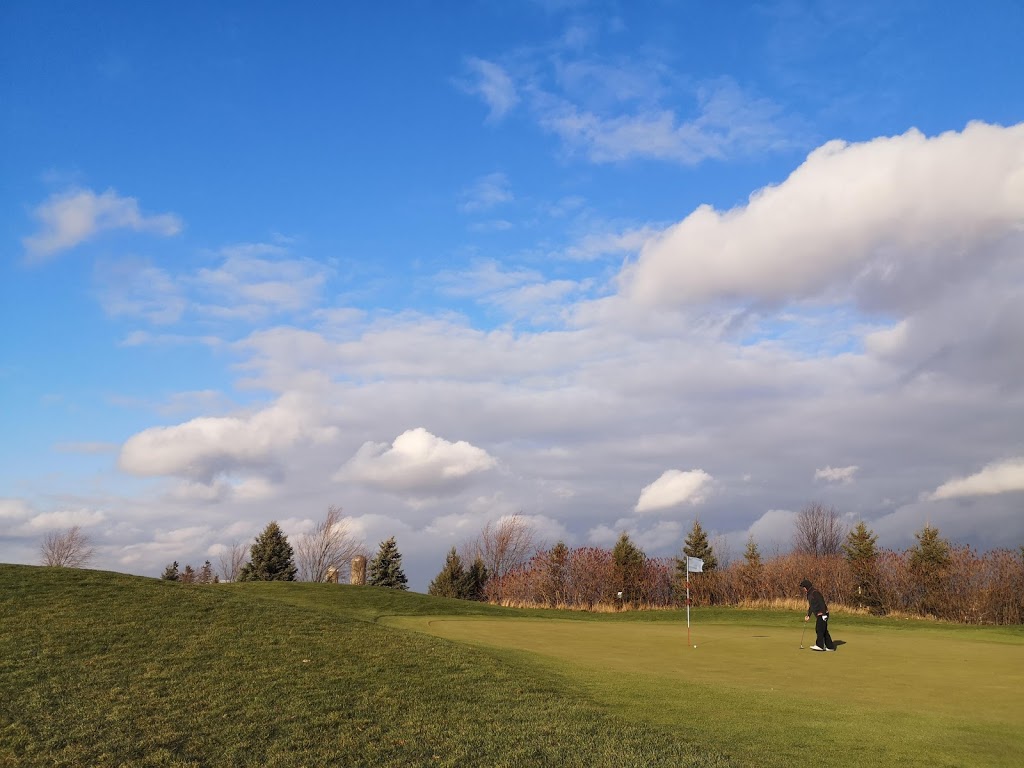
910	693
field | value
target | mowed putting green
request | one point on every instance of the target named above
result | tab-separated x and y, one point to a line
910	693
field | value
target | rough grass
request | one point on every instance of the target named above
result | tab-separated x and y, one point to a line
102	669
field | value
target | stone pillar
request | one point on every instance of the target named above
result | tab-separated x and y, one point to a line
359	570
332	575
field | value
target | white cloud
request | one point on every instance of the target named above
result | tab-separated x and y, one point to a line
205	447
660	536
1001	477
673	488
493	84
883	213
836	474
773	529
182	535
64	518
14	509
70	218
602	536
417	462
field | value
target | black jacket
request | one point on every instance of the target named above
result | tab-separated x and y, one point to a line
815	603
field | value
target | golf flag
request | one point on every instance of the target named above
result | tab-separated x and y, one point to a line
694	565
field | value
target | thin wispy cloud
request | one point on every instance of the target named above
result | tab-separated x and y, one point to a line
728	123
486	193
256	281
136	288
493	84
249	281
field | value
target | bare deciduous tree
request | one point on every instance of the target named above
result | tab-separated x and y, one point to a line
819	531
331	544
231	560
503	545
67	549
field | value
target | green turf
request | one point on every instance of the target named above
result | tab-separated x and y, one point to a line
106	669
895	693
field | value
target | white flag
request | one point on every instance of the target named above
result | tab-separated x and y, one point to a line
694	565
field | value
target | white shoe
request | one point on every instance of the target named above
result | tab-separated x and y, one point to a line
816	648
831	649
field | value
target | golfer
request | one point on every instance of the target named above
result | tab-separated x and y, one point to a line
816	605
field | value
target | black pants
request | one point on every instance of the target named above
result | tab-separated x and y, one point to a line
824	639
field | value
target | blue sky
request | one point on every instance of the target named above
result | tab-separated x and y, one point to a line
610	266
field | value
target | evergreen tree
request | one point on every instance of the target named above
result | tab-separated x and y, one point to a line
557	573
171	572
929	562
206	575
862	555
386	567
752	568
188	576
628	569
752	555
451	581
697	545
475	580
271	557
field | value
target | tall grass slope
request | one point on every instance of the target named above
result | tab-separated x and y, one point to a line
104	669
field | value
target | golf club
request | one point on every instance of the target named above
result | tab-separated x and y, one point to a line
802	636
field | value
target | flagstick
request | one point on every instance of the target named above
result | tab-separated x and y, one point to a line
687	602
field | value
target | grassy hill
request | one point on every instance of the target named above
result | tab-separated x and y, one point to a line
107	669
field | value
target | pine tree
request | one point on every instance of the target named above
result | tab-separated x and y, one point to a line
557	566
929	561
628	569
171	572
188	576
752	568
862	556
752	555
271	557
451	581
386	567
475	580
697	545
206	575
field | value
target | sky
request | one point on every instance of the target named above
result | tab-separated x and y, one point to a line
608	266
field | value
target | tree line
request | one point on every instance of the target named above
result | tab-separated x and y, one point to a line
504	564
934	578
329	548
